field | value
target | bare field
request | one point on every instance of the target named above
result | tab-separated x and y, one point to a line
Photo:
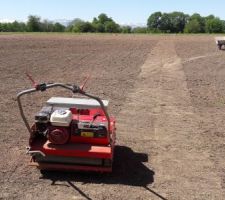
168	96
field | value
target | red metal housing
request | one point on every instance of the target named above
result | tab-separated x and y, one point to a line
55	147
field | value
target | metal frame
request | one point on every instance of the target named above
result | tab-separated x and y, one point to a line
73	88
63	167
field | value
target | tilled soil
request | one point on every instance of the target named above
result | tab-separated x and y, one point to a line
166	92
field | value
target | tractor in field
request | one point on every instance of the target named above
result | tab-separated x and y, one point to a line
70	133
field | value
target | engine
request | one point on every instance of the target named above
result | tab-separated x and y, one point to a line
61	126
59	132
42	120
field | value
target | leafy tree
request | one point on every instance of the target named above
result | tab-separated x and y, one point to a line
103	18
154	21
105	24
223	21
140	30
214	25
126	29
166	23
78	25
15	26
22	27
209	17
58	27
95	20
192	26
98	27
82	27
178	21
112	27
69	28
200	20
3	27
73	23
7	27
34	24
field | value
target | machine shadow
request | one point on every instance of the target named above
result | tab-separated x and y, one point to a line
128	169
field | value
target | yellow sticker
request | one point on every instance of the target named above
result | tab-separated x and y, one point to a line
87	134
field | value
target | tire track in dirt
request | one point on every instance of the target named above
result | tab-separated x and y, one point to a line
201	57
158	119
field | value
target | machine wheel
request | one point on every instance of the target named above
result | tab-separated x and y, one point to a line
219	46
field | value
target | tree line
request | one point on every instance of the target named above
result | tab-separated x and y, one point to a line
158	22
178	22
34	24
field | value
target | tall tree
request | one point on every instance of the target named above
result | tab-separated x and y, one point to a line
126	29
201	21
214	25
166	23
178	21
82	27
112	27
154	21
103	18
34	24
192	26
105	24
58	27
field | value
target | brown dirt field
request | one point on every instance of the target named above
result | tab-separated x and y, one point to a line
167	93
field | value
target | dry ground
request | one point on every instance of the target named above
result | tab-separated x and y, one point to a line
167	93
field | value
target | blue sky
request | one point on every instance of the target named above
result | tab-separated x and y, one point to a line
122	11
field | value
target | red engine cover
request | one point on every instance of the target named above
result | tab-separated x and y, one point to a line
59	135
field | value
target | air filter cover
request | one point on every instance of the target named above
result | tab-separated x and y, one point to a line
61	118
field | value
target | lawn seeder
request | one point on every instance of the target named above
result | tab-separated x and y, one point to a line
220	41
70	134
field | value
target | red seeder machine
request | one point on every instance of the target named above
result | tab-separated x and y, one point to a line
70	133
